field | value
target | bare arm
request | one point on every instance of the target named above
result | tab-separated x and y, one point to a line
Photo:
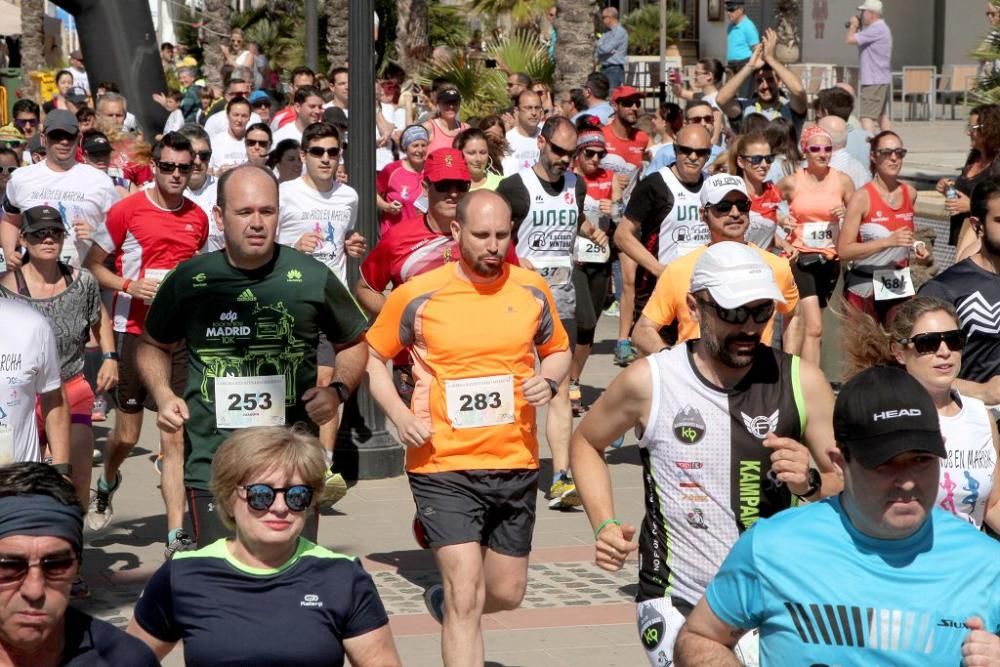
55	413
988	392
10	227
143	288
627	240
373	649
796	91
705	640
646	336
153	361
728	94
370	300
351	361
159	647
103	331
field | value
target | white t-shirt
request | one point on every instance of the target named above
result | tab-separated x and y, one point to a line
396	116
966	479
218	122
29	366
331	214
205	199
287	131
175	121
80	79
523	151
81	193
227	152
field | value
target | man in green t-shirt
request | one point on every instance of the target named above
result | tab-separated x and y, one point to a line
250	316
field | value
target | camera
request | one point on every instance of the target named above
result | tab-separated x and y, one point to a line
861	25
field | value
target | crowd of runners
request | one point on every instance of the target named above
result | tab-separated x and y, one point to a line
199	270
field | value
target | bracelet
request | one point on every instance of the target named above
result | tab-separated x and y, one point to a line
126	284
604	524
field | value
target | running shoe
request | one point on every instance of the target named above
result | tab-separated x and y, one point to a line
181	542
576	399
99	412
79	590
434	600
420	533
612	310
624	353
100	512
334	488
562	494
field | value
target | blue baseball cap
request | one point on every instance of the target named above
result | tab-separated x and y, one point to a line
258	97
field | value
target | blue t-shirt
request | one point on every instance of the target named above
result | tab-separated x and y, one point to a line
740	39
823	593
667	155
230	614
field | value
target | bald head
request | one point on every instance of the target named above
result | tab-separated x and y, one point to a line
482	204
694	136
837	129
483	230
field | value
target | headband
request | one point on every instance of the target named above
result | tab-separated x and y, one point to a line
413	133
40	514
809	133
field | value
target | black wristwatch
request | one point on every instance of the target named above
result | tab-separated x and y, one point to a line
553	386
110	355
65	469
815	482
342	391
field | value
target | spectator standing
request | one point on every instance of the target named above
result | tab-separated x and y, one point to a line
873	38
612	48
741	38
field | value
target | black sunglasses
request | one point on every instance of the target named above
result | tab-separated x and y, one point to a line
449	184
14	569
319	151
22	122
740	315
687	150
260	497
590	154
930	342
263	143
560	151
204	156
757	159
13	144
629	102
47	233
171	167
886	152
726	205
7	170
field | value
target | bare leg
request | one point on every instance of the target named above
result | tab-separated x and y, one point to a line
506	581
461	567
328	431
172	478
559	427
121	440
627	305
81	456
812	317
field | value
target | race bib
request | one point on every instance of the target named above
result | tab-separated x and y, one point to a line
588	252
155	274
250	401
555	276
892	284
476	402
821	235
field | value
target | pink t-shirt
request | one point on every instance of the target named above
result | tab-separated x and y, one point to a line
397	183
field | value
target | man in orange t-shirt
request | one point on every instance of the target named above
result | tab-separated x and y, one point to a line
473	328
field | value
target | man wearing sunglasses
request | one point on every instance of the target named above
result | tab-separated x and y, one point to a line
722	419
973	287
697	112
41	544
726	211
229	148
81	193
153	230
626	143
308	105
27	116
201	183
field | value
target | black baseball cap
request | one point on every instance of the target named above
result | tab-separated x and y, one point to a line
96	143
76	96
882	412
38	218
449	95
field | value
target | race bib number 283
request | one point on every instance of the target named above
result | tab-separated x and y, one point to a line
483	401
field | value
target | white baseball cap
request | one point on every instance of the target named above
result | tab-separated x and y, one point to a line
717	186
734	274
871	6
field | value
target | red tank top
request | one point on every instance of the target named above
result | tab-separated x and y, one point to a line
764	216
881	221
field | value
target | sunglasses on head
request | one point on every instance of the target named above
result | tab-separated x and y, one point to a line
886	152
260	497
171	167
755	160
319	151
929	343
48	233
204	156
560	151
253	143
726	205
687	150
7	171
740	315
449	184
14	569
819	149
700	120
590	154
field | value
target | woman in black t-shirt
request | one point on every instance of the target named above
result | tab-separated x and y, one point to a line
984	140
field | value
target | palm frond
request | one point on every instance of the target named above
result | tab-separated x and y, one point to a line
523	51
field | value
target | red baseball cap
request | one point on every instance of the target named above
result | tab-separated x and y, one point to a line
446	164
624	91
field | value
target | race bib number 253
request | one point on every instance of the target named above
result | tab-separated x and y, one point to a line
243	402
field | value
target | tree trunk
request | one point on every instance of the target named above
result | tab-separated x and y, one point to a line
411	34
574	26
337	29
215	33
32	35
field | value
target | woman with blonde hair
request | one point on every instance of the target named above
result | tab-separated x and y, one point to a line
241	600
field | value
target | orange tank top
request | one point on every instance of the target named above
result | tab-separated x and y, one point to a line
817	229
442	138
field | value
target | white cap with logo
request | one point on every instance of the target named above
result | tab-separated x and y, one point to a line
734	274
717	186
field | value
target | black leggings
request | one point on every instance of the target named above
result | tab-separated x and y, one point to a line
592	283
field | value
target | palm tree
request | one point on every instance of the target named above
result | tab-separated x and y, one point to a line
574	26
337	29
412	44
32	36
215	32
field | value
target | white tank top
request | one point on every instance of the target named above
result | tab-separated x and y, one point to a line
682	230
967	474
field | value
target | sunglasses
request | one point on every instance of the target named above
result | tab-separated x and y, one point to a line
633	102
260	497
23	122
171	167
972	128
726	205
560	151
590	154
449	184
886	152
755	160
204	156
740	315
58	136
319	151
14	144
7	170
929	343
50	233
820	149
687	150
263	143
700	120
13	569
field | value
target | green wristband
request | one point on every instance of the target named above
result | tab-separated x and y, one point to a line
605	523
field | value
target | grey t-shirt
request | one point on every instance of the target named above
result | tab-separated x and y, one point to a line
71	313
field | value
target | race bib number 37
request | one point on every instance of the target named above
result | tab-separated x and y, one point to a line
252	401
485	401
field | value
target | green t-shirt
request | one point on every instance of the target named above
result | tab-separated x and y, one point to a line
237	323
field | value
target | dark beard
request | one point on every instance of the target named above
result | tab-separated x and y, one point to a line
728	357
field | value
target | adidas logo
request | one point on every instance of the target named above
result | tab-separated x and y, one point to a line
246	295
294	276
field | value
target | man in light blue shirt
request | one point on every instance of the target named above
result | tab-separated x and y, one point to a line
875	576
612	48
741	37
595	94
698	112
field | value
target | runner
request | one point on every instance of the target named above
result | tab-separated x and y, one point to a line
218	122
96	151
725	208
258	143
27	119
308	105
249	319
82	194
228	147
301	76
626	143
399	187
153	230
475	147
751	159
443	129
547	208
201	184
720	419
522	139
473	456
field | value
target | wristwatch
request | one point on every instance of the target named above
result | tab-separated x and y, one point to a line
815	482
63	469
342	391
110	355
553	386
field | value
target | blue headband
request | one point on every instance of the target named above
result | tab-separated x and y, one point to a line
40	514
413	133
